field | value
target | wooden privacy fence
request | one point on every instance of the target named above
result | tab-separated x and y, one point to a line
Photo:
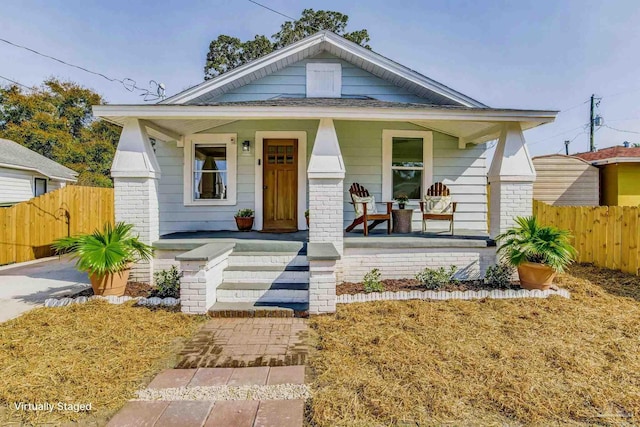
606	236
28	228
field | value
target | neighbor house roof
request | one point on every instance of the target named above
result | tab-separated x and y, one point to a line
16	156
616	154
340	47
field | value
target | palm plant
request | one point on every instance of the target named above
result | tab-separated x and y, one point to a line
105	251
531	242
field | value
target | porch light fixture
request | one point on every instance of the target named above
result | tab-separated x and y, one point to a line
246	147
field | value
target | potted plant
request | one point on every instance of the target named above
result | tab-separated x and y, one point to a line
107	256
306	216
402	200
244	219
539	252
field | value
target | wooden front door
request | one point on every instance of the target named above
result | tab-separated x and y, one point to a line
280	185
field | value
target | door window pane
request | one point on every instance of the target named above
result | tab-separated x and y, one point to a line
407	152
210	172
407	182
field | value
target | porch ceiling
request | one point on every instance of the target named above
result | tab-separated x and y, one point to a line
470	125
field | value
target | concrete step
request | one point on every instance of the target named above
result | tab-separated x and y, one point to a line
267	259
244	309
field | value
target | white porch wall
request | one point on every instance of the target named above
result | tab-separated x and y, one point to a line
463	171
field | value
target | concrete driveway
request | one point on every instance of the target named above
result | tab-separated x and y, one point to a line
27	285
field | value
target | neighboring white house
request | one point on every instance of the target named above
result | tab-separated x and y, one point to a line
25	174
292	131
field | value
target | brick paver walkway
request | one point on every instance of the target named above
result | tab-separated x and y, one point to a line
252	351
247	342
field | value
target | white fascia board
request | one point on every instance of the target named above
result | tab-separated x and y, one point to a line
243	70
355	113
614	160
399	69
26	168
345	45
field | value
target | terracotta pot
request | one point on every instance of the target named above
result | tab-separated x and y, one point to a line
244	223
111	283
535	276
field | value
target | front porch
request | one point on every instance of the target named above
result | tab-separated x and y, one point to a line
235	162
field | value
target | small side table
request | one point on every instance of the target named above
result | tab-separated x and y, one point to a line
402	220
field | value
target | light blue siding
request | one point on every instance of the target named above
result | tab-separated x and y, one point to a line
463	171
291	81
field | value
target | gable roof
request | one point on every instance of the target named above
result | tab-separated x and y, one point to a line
616	154
376	64
16	156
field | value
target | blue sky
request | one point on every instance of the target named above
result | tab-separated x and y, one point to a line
539	54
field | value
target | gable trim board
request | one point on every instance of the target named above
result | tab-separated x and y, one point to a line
36	170
366	59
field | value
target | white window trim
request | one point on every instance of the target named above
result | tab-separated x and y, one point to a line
337	79
35	186
427	158
231	142
301	136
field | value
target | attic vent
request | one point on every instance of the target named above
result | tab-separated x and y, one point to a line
324	80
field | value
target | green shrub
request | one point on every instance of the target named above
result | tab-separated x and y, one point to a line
244	213
372	281
437	278
167	283
499	276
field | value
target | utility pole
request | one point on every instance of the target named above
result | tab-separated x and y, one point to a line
566	146
592	146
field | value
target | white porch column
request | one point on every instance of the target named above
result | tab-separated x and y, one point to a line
511	176
135	173
326	177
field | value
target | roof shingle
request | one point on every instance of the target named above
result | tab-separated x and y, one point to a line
19	156
610	153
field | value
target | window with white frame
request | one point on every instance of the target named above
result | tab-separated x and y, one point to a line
210	170
407	163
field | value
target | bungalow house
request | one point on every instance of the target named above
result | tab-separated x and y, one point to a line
293	131
25	174
619	174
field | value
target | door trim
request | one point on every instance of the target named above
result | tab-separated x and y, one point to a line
301	136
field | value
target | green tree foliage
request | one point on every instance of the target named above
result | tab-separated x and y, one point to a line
227	53
55	120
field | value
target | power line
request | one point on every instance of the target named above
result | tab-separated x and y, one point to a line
128	83
621	130
272	10
558	134
16	83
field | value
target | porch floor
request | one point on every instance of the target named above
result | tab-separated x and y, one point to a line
283	242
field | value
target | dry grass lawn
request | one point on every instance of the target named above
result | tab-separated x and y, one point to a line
488	362
95	352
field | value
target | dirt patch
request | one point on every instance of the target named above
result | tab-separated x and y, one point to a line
134	289
552	361
396	285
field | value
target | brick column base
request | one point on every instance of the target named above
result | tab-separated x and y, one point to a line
322	287
509	199
136	202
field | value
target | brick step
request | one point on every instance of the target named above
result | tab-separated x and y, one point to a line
267	259
245	309
266	273
289	292
240	286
